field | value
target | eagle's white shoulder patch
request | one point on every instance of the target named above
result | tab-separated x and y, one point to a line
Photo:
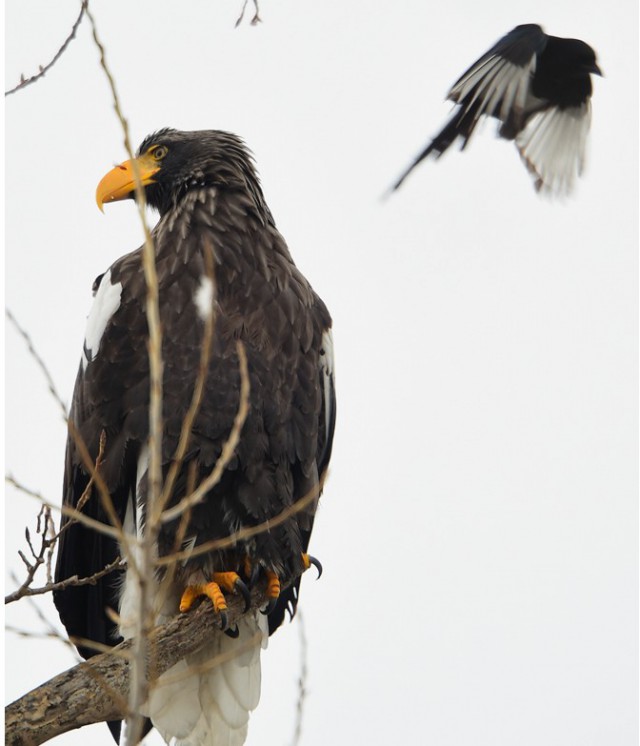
105	304
204	298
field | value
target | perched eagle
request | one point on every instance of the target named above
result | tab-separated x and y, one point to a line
218	256
539	89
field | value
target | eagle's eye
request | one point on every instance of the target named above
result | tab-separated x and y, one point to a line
159	152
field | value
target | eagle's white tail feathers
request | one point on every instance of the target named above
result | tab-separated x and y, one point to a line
206	699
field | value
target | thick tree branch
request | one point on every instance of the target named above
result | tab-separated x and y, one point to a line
98	690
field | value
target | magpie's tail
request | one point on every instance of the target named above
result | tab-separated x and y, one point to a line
461	124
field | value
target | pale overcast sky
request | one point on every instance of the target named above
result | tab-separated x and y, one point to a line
479	528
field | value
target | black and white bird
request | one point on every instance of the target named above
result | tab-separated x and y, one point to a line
212	215
539	88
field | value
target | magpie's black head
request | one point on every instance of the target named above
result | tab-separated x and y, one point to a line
568	58
170	163
563	72
583	56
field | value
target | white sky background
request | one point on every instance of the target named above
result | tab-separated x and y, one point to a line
478	531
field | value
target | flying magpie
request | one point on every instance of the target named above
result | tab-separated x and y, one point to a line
539	88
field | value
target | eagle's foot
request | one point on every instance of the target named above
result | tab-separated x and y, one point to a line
273	581
308	560
230	581
273	590
233	583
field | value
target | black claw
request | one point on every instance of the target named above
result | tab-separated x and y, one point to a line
224	621
240	586
235	632
316	563
271	605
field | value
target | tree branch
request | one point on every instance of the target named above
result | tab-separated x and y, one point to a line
27	81
97	690
256	17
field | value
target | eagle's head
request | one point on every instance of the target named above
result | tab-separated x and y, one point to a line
170	163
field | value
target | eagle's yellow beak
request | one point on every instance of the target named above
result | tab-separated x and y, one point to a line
120	181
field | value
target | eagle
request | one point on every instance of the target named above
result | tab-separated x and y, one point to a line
221	265
539	88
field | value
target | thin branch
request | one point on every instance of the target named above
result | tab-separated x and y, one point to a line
24	82
103	492
146	555
302	681
103	528
74	580
256	17
83	451
46	544
248	531
41	364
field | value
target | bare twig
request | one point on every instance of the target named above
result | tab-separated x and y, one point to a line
21	632
83	451
145	556
46	545
302	681
103	490
248	531
74	580
41	364
50	526
67	510
256	17
24	82
114	531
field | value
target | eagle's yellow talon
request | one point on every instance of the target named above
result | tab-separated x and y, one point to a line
226	580
210	590
273	584
191	592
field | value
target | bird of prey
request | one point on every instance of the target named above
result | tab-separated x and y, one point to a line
539	89
213	215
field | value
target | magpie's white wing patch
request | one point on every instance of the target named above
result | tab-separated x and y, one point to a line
500	86
553	146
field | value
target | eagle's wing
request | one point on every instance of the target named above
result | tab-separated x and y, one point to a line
304	485
84	551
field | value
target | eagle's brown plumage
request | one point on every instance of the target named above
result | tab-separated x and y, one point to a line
212	213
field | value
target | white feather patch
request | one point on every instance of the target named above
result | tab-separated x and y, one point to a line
553	147
105	304
211	707
500	85
204	298
175	707
129	606
326	364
